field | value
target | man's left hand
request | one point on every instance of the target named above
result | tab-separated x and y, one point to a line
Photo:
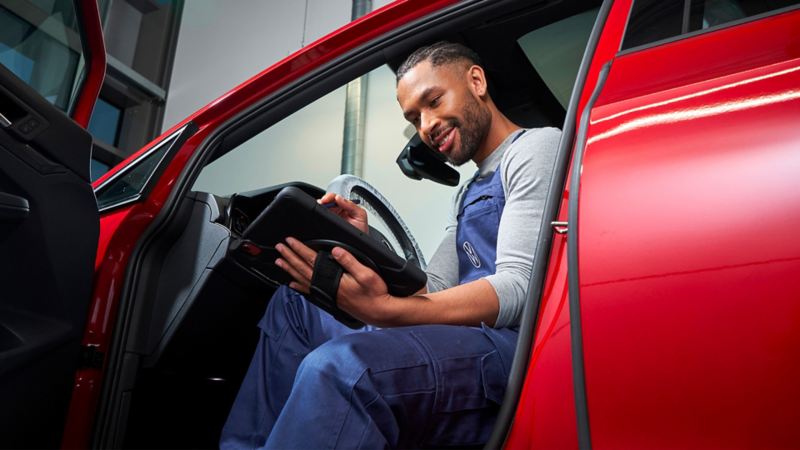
362	292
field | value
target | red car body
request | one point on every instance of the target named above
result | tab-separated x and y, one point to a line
684	228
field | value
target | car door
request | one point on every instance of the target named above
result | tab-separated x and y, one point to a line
51	72
687	225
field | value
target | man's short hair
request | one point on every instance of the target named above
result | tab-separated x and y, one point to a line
438	54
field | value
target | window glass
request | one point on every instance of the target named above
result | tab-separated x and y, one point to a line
104	124
97	169
709	13
306	146
40	43
556	50
129	185
653	20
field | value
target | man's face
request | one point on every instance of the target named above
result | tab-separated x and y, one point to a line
443	106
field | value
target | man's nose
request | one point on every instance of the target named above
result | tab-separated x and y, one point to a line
428	125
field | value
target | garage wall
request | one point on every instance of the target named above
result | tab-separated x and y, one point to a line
222	44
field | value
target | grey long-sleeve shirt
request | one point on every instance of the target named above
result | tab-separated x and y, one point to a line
526	167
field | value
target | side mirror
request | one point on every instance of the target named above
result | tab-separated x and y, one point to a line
418	161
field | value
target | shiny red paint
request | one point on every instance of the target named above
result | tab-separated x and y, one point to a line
123	235
90	19
689	251
545	416
109	223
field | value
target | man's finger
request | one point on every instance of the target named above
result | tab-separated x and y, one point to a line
362	274
291	271
308	255
329	197
348	205
301	265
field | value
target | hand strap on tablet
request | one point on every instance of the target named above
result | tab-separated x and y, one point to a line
325	279
324	286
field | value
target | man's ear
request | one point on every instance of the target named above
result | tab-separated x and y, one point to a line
477	80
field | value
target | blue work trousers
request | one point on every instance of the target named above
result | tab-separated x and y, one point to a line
314	383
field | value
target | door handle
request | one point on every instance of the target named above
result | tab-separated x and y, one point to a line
13	208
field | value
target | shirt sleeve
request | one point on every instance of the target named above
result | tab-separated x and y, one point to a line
527	167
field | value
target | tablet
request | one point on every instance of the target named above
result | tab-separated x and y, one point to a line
295	213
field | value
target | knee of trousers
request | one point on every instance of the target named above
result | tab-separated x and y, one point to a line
376	358
338	363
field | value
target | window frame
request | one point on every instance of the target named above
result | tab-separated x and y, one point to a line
174	141
691	34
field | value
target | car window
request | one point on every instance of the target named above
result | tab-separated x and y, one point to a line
41	44
556	50
710	13
654	20
307	146
129	184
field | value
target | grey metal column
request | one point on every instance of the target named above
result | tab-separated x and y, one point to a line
355	111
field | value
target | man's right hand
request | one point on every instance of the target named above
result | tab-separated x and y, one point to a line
347	210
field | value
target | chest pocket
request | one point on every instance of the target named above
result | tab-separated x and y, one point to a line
478	223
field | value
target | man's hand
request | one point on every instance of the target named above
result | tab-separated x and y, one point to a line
347	210
362	293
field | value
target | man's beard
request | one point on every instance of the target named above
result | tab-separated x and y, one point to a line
473	131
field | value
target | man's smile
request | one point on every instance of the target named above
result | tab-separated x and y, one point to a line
443	141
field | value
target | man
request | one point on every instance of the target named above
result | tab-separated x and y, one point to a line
434	375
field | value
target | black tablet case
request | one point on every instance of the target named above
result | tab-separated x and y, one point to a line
295	213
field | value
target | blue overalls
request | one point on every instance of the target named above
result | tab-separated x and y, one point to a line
314	383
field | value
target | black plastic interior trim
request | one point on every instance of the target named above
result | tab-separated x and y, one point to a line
13	207
576	334
687	7
527	330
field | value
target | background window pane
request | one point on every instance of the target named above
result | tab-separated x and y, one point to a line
40	44
104	124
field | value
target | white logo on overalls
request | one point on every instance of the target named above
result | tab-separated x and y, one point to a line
472	254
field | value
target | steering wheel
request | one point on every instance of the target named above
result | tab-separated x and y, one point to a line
353	187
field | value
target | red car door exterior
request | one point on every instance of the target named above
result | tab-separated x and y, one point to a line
546	414
688	244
